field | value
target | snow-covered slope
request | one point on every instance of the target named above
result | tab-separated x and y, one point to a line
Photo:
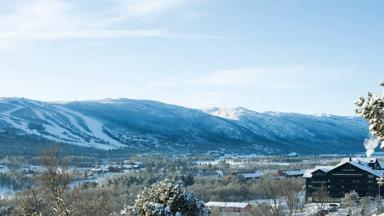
314	131
53	122
142	125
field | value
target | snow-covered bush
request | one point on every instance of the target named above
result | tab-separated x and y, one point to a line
350	199
5	211
372	109
365	209
379	207
167	198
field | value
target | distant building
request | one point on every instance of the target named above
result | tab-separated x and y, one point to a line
100	168
358	174
218	173
291	173
254	175
230	207
117	168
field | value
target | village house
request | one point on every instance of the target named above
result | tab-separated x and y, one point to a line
351	174
236	208
117	168
217	173
255	175
290	173
252	175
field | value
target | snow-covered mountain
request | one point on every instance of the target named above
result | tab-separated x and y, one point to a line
318	132
142	126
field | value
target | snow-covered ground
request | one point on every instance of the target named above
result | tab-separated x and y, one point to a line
6	192
4	169
311	209
56	123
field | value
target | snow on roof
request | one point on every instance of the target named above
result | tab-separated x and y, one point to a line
359	159
325	168
294	172
308	173
256	174
361	163
227	204
126	166
364	167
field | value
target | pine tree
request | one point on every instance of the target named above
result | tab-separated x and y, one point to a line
167	198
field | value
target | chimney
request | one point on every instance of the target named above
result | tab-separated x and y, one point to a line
350	159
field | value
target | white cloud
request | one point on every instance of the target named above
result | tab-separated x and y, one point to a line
36	19
203	99
79	34
292	77
260	87
38	15
147	7
58	19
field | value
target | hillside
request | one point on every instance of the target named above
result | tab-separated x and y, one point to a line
150	126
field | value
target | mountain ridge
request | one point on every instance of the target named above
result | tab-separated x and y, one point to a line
145	125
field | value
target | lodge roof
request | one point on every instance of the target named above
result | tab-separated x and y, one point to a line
361	163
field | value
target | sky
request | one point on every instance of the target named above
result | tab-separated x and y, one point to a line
303	56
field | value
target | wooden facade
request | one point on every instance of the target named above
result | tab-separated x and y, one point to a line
359	176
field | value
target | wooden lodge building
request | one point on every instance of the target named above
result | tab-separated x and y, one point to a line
351	174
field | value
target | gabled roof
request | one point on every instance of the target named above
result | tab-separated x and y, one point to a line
364	167
361	163
308	173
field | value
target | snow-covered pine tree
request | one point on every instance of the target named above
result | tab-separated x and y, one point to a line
167	198
372	109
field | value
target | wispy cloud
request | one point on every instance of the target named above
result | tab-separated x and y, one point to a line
59	19
291	77
147	7
204	99
80	34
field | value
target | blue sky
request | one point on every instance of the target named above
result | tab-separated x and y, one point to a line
267	55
